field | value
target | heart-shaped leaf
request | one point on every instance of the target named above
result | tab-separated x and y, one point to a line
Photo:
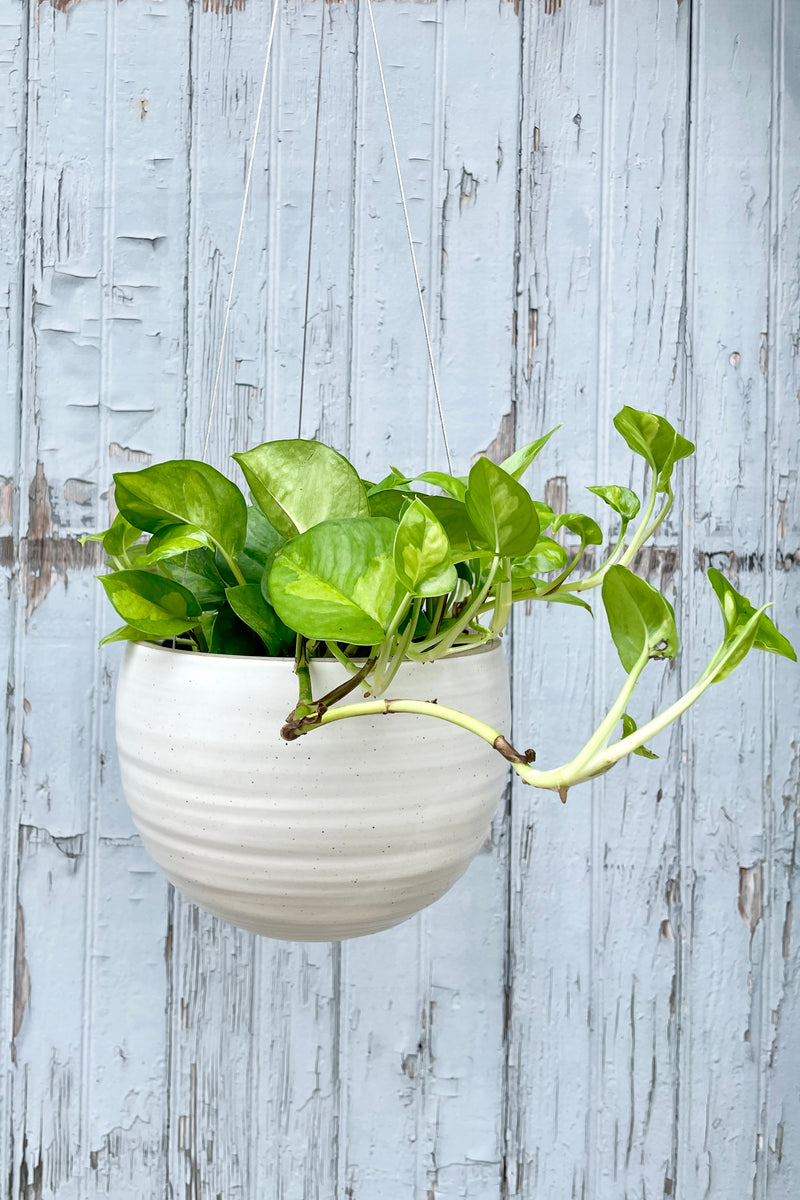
742	633
151	603
117	539
501	511
641	619
298	484
171	541
621	499
546	555
337	582
184	492
248	602
422	553
655	440
517	464
586	529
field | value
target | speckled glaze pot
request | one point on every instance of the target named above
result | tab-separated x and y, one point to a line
347	831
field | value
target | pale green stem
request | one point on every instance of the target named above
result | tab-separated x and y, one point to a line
346	662
657	520
400	654
503	602
424	708
388	645
592	580
555	584
232	563
443	644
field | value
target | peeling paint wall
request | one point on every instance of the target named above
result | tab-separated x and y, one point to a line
605	205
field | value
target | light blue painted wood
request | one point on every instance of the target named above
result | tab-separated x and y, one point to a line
604	204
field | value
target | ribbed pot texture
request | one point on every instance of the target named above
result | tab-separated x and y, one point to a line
347	831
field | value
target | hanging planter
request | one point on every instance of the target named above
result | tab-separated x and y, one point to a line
346	836
332	598
274	708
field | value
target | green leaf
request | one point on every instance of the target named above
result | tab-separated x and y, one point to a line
389	503
517	464
394	480
557	597
501	510
586	529
546	555
226	634
184	492
742	632
454	518
198	572
453	486
641	619
545	514
298	484
261	545
151	603
422	554
249	604
621	499
125	633
171	541
655	440
630	726
337	582
117	539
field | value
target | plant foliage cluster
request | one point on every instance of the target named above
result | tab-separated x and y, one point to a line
374	574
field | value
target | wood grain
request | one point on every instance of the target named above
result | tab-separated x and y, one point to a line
605	209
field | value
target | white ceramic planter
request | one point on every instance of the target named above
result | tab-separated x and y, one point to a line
347	831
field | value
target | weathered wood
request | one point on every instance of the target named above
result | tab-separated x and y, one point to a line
604	206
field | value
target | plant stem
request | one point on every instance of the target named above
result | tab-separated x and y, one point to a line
570	567
399	656
232	563
439	645
305	695
388	643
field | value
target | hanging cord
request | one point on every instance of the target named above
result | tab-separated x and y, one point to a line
311	223
410	238
248	181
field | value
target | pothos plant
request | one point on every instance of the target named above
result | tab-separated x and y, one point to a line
375	574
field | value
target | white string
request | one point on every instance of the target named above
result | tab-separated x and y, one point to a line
248	180
311	224
410	238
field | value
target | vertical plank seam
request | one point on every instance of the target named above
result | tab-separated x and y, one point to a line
508	1106
683	1183
15	677
596	923
426	1118
172	1014
771	955
92	814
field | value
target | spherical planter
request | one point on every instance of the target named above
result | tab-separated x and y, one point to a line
347	831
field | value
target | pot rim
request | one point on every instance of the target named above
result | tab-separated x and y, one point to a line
196	656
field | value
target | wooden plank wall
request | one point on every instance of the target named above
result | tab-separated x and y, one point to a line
605	199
